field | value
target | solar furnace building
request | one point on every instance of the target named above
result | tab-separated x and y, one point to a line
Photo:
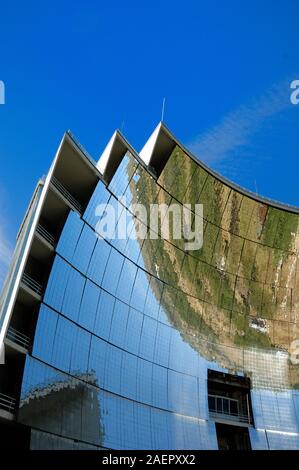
138	343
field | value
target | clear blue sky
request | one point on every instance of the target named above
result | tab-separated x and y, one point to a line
224	67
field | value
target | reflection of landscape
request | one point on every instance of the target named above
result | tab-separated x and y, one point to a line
240	290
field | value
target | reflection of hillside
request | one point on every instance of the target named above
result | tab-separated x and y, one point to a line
239	290
69	408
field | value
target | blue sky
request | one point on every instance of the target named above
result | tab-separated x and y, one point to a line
91	66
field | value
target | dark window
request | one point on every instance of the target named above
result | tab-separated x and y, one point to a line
230	407
232	437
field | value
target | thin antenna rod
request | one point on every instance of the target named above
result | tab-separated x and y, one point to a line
163	109
256	191
122	126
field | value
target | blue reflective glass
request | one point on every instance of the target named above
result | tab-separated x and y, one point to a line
104	314
80	354
116	216
296	404
280	441
126	281
183	393
258	439
287	413
70	235
159	387
123	175
183	358
147	340
108	218
144	426
112	382
111	411
153	298
63	344
98	261
84	249
160	429
60	404
140	289
133	243
100	196
45	334
57	283
133	331
177	434
36	376
119	323
112	271
73	295
162	345
92	430
97	361
128	376
128	425
88	306
144	381
40	384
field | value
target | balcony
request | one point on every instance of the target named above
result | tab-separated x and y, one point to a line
227	409
76	172
45	235
30	292
71	201
32	284
7	403
18	338
42	251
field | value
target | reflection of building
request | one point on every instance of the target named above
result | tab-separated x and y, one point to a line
108	342
64	407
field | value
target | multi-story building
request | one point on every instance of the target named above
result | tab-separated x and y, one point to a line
131	342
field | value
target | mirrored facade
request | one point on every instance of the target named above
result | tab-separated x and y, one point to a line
125	331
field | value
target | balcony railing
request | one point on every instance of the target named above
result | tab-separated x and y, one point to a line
227	408
32	284
7	403
18	337
45	234
66	194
